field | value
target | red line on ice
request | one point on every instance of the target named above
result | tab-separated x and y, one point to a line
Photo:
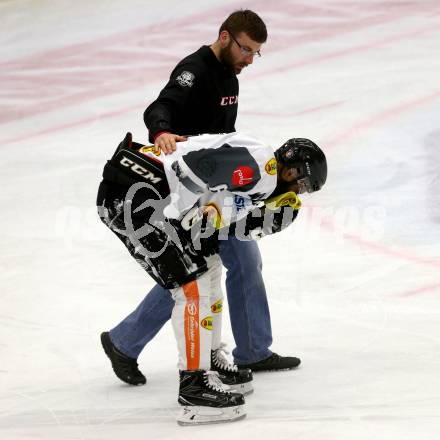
424	289
293	114
379	248
379	118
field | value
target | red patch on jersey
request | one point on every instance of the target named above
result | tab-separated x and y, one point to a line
242	176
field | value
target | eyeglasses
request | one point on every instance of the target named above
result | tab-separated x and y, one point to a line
245	51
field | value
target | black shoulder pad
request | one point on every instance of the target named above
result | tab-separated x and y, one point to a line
230	168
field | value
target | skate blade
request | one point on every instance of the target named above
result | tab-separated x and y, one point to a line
242	388
205	415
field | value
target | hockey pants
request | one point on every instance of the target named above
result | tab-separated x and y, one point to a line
197	317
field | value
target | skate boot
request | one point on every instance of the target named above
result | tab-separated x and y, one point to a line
205	399
238	379
126	368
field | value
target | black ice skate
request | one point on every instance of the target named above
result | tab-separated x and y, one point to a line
238	379
126	368
205	399
274	362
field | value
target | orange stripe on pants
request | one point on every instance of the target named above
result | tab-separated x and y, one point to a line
191	323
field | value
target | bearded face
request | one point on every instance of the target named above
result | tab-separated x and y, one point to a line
233	59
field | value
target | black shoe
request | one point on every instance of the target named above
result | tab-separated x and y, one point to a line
273	363
126	368
238	379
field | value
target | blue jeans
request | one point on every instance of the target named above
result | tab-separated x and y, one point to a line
248	308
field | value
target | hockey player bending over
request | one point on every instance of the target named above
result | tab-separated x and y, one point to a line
170	211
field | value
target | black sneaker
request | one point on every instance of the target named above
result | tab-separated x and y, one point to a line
126	368
238	379
274	362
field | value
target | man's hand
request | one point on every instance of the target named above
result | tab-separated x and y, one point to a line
167	142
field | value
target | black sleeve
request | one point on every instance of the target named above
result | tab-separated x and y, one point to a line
184	82
261	222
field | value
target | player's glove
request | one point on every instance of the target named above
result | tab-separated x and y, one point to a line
204	239
287	199
208	214
201	231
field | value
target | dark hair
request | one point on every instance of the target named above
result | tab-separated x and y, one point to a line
246	21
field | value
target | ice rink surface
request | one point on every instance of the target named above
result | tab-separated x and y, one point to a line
353	285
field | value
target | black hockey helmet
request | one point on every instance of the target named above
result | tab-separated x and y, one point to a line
308	159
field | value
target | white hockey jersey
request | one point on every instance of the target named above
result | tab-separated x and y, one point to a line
224	175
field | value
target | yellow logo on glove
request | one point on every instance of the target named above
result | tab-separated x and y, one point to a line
287	199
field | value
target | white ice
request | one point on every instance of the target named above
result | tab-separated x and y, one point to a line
353	285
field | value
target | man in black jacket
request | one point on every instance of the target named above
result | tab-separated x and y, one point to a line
202	97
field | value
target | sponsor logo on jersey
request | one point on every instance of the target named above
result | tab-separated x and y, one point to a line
136	168
239	203
229	100
186	79
217	307
151	149
206	323
242	176
271	167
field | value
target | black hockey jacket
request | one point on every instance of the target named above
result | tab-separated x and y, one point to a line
200	97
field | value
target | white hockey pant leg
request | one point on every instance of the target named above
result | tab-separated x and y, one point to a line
216	301
192	323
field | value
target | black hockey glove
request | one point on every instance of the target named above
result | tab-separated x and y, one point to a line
204	237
